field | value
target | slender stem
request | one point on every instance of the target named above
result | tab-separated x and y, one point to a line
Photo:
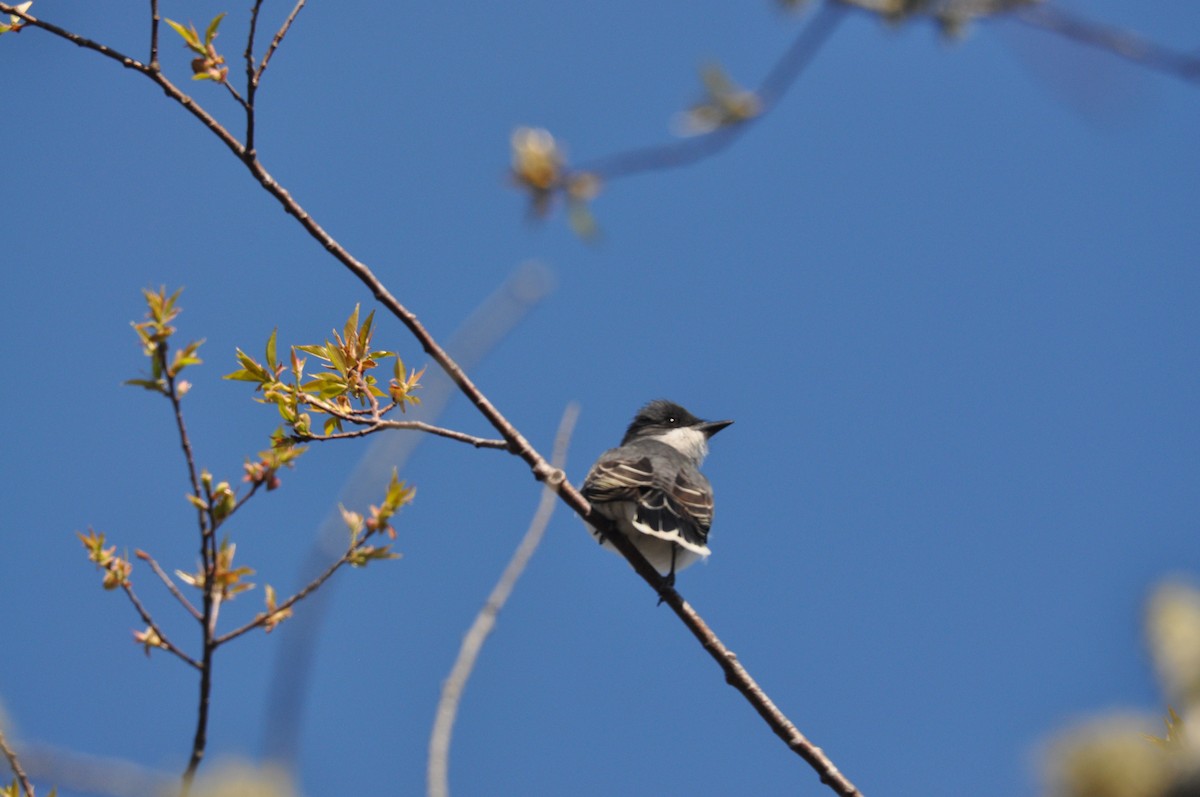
154	23
275	42
251	77
208	557
438	768
675	154
1120	43
15	764
419	426
149	621
200	740
174	590
287	604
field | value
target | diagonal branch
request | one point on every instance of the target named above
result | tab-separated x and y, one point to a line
15	764
283	31
456	682
419	426
174	590
149	621
1120	43
676	154
287	604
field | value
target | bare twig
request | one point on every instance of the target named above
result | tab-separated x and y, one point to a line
174	590
419	426
78	773
1120	43
149	621
236	96
15	764
456	682
283	31
251	77
155	20
208	557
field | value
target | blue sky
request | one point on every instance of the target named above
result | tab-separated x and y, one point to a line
948	293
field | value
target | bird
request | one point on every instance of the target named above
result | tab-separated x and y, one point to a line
652	489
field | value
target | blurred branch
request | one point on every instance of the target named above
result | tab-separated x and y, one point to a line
79	774
15	764
1120	43
456	682
262	619
783	74
471	343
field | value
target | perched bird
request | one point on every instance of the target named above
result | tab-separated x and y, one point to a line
652	489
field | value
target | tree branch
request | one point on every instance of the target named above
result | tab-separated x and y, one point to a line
155	20
149	621
685	152
15	764
299	596
447	709
419	426
283	31
1120	43
174	590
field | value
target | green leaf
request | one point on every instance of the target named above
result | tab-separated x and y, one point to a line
270	343
192	41
351	325
211	33
148	384
364	333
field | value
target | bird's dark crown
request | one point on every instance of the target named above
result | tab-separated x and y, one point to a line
657	416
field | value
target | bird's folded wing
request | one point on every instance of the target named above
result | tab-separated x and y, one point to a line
680	511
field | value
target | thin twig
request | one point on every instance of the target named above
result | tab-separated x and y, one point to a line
783	74
251	78
208	556
77	773
166	644
174	590
419	426
236	95
1120	43
254	487
154	23
283	31
299	596
15	764
249	54
447	709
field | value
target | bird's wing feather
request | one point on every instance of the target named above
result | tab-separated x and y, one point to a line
681	510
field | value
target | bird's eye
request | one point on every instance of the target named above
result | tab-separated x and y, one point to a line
672	420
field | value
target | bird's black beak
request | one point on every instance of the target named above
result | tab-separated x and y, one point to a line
710	428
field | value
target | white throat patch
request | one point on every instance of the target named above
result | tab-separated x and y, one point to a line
690	442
